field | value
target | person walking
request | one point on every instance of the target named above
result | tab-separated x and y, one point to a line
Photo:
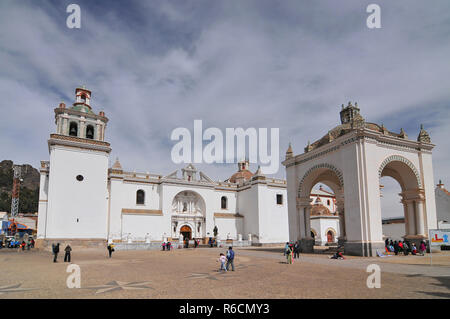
405	248
68	249
55	249
169	245
222	260
286	248
289	255
422	248
230	258
110	249
164	245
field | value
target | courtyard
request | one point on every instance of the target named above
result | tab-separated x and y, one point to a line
193	273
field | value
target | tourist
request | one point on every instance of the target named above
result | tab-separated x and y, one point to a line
297	250
395	247
405	248
413	249
55	249
422	248
290	253
163	246
110	249
210	242
400	246
186	244
286	248
22	245
169	245
386	244
195	243
222	260
230	258
32	243
68	249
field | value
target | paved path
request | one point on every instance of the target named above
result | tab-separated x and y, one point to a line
360	263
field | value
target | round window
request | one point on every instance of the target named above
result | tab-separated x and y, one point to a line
80	178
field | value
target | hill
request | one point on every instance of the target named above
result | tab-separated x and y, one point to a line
29	188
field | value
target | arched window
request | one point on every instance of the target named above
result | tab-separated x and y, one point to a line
90	132
140	197
73	129
223	202
328	202
83	98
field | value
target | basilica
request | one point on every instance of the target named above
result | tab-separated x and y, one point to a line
85	199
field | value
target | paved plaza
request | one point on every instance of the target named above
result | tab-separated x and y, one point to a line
193	273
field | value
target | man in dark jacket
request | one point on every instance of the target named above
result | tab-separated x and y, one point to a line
297	250
68	249
110	249
55	249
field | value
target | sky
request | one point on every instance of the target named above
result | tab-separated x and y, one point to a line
153	66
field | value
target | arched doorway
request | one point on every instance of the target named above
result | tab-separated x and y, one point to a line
330	237
331	177
188	208
412	196
186	232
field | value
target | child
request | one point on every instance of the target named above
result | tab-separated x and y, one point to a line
222	260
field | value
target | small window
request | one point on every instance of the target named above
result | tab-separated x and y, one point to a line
279	199
83	98
140	197
90	132
184	207
73	129
328	202
80	178
223	202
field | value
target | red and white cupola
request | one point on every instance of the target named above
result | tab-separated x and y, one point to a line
82	96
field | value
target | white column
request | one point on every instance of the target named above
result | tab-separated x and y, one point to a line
341	214
420	218
411	218
308	221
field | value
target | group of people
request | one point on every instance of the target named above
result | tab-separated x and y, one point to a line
12	243
55	250
166	245
402	247
226	261
292	251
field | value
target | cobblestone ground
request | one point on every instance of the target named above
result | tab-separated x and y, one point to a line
193	273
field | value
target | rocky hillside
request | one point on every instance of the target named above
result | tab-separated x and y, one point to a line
29	188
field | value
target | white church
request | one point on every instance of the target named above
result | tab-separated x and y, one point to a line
85	201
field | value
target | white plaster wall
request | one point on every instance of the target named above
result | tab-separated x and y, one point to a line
229	226
139	225
442	205
273	218
69	199
248	205
123	196
42	208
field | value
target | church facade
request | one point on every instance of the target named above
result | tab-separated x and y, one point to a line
83	199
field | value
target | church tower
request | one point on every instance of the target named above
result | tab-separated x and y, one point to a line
74	191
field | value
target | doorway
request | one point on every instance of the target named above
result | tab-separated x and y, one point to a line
186	231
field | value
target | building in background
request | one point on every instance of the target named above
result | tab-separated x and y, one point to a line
84	201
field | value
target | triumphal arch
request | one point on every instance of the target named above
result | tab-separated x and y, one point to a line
350	159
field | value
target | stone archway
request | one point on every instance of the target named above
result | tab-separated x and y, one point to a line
186	232
357	153
406	174
332	177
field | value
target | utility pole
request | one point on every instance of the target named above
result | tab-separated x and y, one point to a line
16	190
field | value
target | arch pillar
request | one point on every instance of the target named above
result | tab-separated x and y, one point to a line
341	214
420	218
304	214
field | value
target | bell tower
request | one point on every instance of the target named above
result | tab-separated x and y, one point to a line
74	181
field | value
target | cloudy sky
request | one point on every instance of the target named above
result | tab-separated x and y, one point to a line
153	66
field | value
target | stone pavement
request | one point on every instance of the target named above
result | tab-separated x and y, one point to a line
193	273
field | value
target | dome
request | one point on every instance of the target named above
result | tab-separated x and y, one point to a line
244	174
320	210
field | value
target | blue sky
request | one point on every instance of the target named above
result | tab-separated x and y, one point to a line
153	66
